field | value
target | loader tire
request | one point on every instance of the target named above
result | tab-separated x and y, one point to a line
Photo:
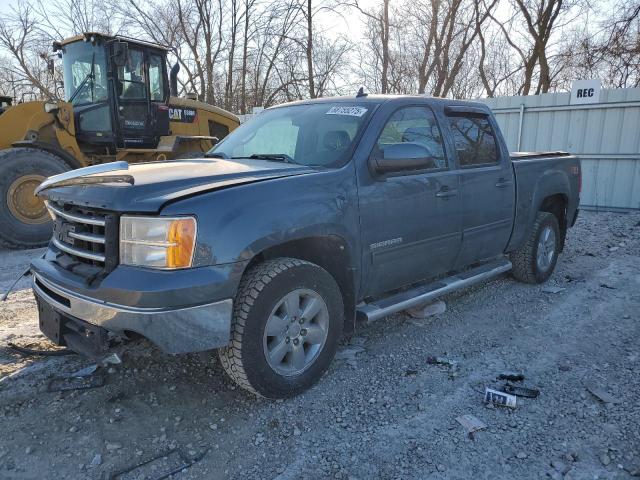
24	221
536	259
287	321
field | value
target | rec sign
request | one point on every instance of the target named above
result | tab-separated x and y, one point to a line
585	91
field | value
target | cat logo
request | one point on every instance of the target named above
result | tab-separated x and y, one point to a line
182	115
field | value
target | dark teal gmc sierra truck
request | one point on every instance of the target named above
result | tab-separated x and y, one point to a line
311	216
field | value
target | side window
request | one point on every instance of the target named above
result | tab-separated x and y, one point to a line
156	78
475	141
131	77
414	125
218	130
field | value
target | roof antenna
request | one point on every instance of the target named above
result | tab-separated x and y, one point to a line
361	93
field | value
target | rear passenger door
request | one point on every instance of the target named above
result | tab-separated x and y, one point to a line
486	186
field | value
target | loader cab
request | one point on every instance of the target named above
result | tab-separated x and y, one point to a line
119	91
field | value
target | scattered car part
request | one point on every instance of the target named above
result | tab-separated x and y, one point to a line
499	398
511	376
28	352
602	395
180	462
62	384
26	273
471	424
521	391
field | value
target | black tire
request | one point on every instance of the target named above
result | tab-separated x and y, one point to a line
261	288
525	265
14	164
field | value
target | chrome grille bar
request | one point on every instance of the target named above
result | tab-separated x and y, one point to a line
77	251
87	237
77	217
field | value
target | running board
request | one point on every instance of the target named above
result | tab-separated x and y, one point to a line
424	293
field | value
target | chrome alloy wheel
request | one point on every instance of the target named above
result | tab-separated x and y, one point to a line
296	332
546	249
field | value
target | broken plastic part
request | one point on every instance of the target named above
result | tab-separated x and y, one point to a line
521	391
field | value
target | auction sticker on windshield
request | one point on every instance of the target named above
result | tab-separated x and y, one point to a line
351	111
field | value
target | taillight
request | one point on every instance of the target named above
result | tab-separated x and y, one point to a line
578	173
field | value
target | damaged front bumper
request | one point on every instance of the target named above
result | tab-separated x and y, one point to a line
180	312
178	330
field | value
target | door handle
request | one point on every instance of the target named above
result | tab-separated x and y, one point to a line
502	183
446	192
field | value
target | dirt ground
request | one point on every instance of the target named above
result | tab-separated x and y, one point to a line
382	410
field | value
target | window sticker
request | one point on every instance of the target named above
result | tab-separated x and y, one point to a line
350	111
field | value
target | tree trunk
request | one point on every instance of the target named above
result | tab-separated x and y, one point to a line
385	47
309	50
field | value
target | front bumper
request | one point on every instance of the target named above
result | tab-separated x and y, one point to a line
180	330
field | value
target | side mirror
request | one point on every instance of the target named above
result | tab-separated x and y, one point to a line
120	53
400	157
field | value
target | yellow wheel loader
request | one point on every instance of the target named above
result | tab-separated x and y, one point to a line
121	104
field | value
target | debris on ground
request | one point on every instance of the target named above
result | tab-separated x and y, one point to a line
28	352
64	383
602	395
471	424
158	468
553	289
452	365
499	398
427	310
606	285
521	391
511	376
83	372
348	354
111	359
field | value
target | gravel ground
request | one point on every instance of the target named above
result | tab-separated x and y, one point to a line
382	411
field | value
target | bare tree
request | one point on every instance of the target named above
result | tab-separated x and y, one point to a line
379	24
28	49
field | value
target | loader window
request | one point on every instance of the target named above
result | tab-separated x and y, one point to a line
156	78
131	77
218	130
85	73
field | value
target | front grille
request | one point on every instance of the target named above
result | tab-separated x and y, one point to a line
87	236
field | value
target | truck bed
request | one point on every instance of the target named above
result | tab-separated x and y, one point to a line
537	173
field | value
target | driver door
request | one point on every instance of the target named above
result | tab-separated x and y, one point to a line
133	112
410	221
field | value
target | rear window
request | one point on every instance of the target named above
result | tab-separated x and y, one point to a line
474	140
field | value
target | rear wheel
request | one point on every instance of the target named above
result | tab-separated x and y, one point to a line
23	216
535	261
288	319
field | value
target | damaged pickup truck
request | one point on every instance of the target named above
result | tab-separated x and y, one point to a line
310	216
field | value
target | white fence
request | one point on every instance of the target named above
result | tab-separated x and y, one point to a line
606	136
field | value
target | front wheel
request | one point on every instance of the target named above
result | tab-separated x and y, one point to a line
288	318
535	261
23	216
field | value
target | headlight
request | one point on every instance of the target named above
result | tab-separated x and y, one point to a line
157	242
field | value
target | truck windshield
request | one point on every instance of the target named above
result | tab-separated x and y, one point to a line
85	73
320	134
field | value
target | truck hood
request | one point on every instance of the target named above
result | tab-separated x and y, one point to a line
154	184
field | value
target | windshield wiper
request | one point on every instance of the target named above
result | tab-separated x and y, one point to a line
278	157
90	75
216	155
